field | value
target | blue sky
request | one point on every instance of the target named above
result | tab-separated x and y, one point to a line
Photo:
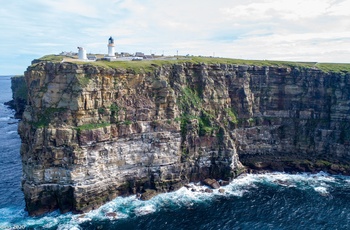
296	30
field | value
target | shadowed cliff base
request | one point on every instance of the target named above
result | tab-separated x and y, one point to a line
94	131
293	165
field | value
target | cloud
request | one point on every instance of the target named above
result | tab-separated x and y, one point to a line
340	8
282	9
85	8
264	29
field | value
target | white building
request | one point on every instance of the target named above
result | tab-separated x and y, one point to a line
82	54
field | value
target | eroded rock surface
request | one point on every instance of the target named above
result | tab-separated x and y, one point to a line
92	133
19	95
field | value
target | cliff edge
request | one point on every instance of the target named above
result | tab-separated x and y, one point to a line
93	131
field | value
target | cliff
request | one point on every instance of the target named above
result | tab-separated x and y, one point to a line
91	132
19	95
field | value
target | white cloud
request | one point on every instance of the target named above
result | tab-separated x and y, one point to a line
86	8
264	29
284	9
340	9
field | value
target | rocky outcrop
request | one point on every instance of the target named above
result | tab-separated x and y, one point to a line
211	183
92	133
19	95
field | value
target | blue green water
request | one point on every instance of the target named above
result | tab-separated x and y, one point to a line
267	201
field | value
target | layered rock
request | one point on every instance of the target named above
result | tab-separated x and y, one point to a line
19	95
92	133
297	119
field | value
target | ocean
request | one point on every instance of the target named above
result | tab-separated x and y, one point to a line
260	201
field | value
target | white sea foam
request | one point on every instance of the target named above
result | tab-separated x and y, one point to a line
321	190
144	210
126	207
5	118
69	227
11	132
81	219
187	197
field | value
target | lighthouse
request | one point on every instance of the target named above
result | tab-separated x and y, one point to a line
111	51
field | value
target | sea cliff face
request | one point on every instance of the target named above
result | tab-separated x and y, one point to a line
92	133
19	95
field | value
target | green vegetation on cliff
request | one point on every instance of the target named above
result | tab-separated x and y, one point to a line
93	126
51	58
334	67
46	116
145	66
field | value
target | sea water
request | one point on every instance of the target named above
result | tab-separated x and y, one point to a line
261	201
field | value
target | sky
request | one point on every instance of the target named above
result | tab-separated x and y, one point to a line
294	30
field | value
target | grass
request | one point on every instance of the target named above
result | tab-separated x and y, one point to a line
45	116
232	61
101	110
127	122
189	99
184	121
190	102
151	65
52	58
83	80
232	114
334	67
92	126
205	124
115	109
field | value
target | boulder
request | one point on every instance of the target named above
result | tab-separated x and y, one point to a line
111	215
211	183
224	183
187	186
148	194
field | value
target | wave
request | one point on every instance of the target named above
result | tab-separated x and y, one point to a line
11	132
186	197
5	119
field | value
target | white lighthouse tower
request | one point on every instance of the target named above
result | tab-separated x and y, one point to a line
82	53
111	51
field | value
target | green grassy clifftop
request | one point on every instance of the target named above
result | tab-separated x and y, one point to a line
152	64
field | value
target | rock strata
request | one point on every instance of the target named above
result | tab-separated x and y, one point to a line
19	95
91	133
